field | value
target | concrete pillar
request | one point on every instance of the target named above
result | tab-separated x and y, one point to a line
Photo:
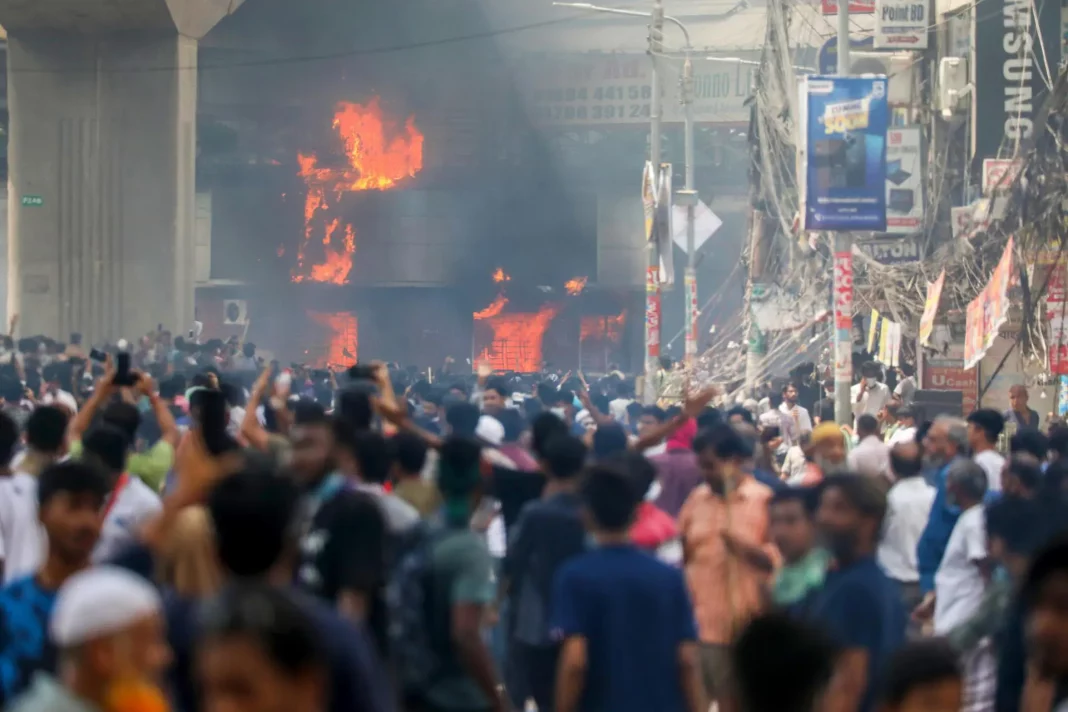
102	165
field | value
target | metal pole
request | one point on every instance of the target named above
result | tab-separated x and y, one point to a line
842	264
690	300
652	274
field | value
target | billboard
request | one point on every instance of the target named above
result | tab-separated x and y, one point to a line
842	156
904	180
901	24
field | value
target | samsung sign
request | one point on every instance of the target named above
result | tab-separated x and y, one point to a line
1010	87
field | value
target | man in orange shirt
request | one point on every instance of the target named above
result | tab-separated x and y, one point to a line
728	555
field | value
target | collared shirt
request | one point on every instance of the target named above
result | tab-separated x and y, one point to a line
906	390
908	504
959	584
870	457
727	591
678	475
932	544
873	400
902	435
1014	417
795	423
991	461
22	537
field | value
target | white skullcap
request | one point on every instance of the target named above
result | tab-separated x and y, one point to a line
490	430
98	602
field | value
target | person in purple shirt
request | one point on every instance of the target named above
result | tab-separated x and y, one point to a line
677	470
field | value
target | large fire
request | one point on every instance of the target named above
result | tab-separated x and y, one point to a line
516	339
379	155
602	328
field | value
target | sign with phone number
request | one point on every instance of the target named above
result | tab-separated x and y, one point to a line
616	89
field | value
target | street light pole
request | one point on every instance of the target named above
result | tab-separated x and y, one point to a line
690	200
842	267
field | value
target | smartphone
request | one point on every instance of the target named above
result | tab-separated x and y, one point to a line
123	375
98	355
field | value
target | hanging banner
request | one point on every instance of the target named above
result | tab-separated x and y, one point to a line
843	153
856	7
1057	314
930	308
901	24
648	198
652	314
873	330
988	311
945	371
662	226
843	290
904	180
1017	50
968	220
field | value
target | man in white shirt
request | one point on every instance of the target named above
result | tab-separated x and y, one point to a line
870	395
130	502
908	505
796	420
22	539
871	456
961	577
906	427
905	391
984	427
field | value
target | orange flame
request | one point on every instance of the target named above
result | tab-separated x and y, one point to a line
342	341
495	308
516	341
602	328
501	276
379	155
575	286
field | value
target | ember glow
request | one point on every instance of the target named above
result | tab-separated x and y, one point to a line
341	344
495	307
603	328
575	286
379	156
501	276
515	340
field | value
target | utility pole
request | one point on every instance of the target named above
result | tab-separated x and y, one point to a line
652	271
842	267
688	197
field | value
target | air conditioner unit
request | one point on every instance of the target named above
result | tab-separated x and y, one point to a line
900	69
235	311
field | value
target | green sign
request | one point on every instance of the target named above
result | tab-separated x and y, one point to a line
32	201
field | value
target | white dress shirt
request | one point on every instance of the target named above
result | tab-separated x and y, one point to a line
873	400
908	506
959	584
902	435
991	461
870	457
795	422
23	542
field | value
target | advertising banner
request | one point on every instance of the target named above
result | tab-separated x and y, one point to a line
843	290
1017	51
904	180
1057	313
652	313
930	308
843	153
999	174
856	7
946	372
967	220
988	311
901	24
893	251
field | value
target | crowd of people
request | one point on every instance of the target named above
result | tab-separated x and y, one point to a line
185	527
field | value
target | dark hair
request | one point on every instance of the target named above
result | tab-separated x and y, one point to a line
9	438
868	424
724	441
270	619
249	350
462	419
254	515
46	429
544	428
499	385
807	496
989	421
654	411
787	386
918	663
564	457
610	497
107	445
775	646
409	451
1027	470
458	467
309	412
742	413
513	424
861	492
709	417
355	408
72	477
124	416
1031	441
907	369
1058	439
1018	522
373	456
638	469
609	439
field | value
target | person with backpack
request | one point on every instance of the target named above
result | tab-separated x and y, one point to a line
437	598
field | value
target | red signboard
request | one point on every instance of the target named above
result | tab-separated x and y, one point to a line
830	7
652	313
953	378
843	290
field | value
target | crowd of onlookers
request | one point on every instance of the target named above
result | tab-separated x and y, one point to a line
191	528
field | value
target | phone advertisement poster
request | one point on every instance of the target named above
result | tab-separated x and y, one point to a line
843	153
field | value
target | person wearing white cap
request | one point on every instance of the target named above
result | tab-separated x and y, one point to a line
108	630
70	496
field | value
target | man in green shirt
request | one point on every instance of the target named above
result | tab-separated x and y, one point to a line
793	530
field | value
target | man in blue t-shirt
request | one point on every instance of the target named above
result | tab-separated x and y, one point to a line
629	641
859	607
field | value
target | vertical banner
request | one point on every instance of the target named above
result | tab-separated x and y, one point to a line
652	314
1062	396
843	316
662	232
843	153
930	308
944	371
988	311
904	180
873	330
1057	314
1017	52
691	306
649	198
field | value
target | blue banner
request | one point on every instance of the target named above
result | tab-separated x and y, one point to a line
843	153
